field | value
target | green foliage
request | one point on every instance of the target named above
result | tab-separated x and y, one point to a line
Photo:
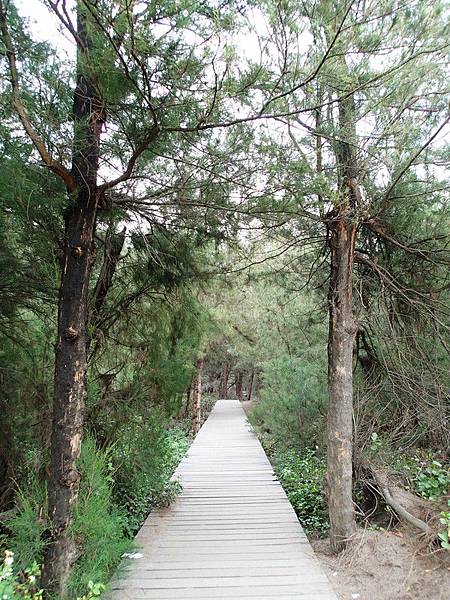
25	585
27	527
95	590
444	535
433	480
169	258
98	524
146	455
202	187
13	586
429	477
119	486
302	476
376	442
293	399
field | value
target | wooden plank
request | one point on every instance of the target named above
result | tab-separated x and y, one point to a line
232	533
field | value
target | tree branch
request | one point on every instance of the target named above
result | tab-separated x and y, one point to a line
21	111
386	199
148	139
376	227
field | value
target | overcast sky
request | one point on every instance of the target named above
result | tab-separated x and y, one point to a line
45	26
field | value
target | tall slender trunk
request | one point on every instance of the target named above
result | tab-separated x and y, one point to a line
239	385
223	392
113	246
342	331
197	396
250	389
342	225
71	355
319	156
188	400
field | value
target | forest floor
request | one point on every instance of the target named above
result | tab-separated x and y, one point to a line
386	565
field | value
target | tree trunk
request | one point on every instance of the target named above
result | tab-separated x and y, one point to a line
342	223
188	400
197	397
250	389
68	405
239	385
342	331
223	392
113	247
71	355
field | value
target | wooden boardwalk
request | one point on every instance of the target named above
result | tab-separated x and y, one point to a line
231	534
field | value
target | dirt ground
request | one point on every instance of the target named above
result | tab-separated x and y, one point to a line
382	565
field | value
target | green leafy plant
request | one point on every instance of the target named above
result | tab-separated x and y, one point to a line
147	455
444	536
375	442
95	590
24	585
432	481
14	586
302	477
26	529
169	493
99	525
429	477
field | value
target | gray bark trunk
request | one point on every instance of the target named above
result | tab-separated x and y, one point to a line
342	331
197	396
223	391
239	385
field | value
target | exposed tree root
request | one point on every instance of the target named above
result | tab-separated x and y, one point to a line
402	502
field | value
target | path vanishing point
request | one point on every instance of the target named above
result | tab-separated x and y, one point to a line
231	534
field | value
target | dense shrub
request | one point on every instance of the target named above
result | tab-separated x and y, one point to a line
119	486
27	527
146	455
26	585
302	476
99	524
13	587
293	399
